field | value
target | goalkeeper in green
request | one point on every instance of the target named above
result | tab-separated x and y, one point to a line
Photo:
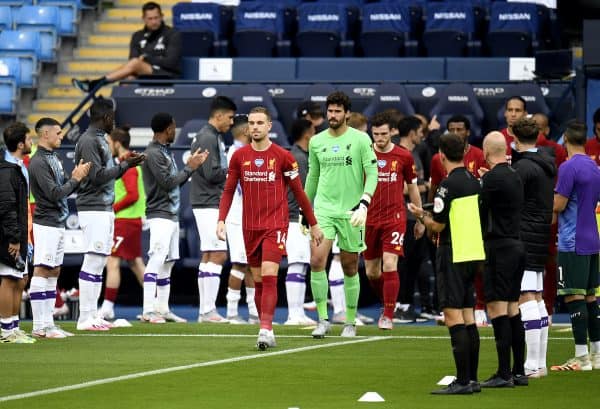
341	180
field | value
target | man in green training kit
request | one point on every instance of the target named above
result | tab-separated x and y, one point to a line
341	180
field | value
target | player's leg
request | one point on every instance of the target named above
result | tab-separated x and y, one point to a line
373	255
137	266
593	312
163	282
111	289
318	261
298	257
250	297
393	249
214	255
541	361
532	320
160	240
8	283
336	286
237	257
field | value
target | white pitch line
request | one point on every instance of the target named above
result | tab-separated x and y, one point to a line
181	368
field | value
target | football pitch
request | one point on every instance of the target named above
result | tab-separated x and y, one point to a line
218	366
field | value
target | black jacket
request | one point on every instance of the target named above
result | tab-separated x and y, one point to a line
13	210
537	171
161	48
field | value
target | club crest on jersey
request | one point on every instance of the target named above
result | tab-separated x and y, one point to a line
393	166
259	162
335	148
271	164
381	163
246	163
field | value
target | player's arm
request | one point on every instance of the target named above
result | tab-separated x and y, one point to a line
42	173
314	170
233	176
426	219
132	193
211	169
369	162
410	177
99	173
413	194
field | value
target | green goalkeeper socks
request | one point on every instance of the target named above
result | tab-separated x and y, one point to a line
320	286
351	290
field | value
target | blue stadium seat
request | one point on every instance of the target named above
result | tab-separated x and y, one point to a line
26	46
514	29
202	27
259	30
11	67
385	31
389	95
6	20
532	94
459	98
450	30
248	96
188	132
278	135
322	29
68	11
15	5
318	92
45	20
8	95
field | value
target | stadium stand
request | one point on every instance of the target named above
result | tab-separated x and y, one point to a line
188	132
68	13
46	21
450	30
386	31
259	31
514	29
250	95
203	28
389	95
322	30
6	19
26	46
532	94
8	95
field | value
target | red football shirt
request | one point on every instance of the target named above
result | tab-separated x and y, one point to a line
394	168
473	160
592	148
264	177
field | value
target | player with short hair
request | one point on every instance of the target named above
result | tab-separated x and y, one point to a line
235	240
342	178
205	192
457	198
264	170
50	187
576	195
162	181
386	222
95	198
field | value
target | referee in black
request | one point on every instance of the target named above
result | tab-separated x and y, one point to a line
502	202
455	280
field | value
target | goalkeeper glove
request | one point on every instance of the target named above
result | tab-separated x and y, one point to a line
359	212
304	226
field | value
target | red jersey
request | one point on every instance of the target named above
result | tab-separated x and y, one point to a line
264	177
592	148
560	153
473	160
394	168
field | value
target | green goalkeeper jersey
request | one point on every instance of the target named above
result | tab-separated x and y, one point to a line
340	169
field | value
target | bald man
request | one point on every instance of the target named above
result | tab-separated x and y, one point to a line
501	206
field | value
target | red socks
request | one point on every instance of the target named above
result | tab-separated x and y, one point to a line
58	302
377	287
391	287
268	301
110	294
258	289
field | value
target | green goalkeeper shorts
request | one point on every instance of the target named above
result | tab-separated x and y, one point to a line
350	238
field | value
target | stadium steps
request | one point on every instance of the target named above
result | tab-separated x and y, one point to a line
104	49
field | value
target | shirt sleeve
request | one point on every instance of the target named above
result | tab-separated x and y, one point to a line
99	174
211	169
441	204
369	162
312	178
160	169
436	173
233	176
564	184
292	177
130	180
409	170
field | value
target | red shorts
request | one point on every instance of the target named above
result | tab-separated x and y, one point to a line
388	238
128	239
553	245
264	245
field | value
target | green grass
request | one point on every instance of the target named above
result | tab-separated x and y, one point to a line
402	366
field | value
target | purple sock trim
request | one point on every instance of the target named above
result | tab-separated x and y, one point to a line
206	274
39	296
532	324
544	322
6	326
150	277
163	281
295	278
15	324
50	294
90	277
336	282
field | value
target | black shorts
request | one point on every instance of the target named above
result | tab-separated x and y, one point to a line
454	280
503	272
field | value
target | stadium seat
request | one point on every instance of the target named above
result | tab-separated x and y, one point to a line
322	29
278	134
8	94
318	92
450	30
202	27
68	11
353	16
514	29
6	20
259	30
188	132
389	95
385	31
45	20
532	94
11	67
248	96
26	46
15	5
459	98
